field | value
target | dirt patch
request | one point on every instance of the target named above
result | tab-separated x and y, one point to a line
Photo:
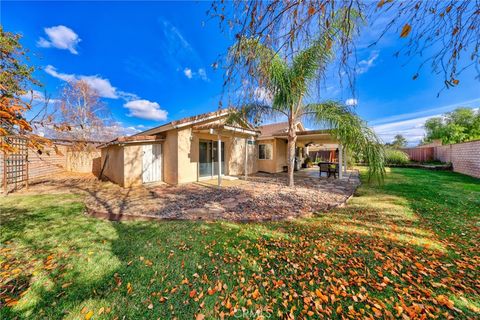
261	197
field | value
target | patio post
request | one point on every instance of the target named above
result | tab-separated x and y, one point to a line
219	149
345	160
340	160
246	158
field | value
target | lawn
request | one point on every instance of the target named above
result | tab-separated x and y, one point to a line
407	248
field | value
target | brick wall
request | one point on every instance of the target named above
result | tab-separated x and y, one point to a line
465	157
444	153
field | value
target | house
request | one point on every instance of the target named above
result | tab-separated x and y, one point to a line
189	150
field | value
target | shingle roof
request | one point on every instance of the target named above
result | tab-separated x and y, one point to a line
271	129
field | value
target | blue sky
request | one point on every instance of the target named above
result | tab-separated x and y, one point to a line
151	62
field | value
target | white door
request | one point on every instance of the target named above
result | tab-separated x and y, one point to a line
152	163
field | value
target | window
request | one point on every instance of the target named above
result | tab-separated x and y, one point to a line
265	151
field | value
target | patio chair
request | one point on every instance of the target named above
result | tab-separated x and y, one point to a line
333	169
324	167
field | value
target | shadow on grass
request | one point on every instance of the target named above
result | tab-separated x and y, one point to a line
69	261
74	264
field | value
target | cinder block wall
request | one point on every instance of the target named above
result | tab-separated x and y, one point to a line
465	158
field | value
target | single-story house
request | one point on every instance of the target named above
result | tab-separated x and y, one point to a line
189	150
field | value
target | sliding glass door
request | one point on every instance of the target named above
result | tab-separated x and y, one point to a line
208	158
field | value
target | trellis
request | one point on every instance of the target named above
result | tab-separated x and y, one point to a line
15	163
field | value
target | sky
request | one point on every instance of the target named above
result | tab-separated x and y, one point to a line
151	62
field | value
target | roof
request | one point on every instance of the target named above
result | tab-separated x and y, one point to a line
275	129
132	139
226	126
271	129
186	121
305	132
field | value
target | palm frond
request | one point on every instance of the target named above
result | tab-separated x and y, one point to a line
352	132
262	60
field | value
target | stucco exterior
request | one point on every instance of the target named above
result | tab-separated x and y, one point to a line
181	147
279	156
132	162
112	164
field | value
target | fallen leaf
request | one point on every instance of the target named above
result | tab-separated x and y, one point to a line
193	293
405	31
89	315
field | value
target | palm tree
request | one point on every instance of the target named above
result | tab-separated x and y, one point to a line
288	84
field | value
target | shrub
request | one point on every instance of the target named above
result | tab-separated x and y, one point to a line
393	156
307	162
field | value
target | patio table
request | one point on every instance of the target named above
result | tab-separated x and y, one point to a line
329	168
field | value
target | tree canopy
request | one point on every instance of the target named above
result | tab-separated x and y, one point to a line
287	83
460	125
398	141
441	34
15	78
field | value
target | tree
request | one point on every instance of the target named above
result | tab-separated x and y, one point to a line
460	125
398	142
440	33
82	115
15	77
288	83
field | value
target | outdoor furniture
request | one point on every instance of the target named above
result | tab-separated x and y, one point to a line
329	168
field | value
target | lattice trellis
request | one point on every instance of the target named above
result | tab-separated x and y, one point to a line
15	164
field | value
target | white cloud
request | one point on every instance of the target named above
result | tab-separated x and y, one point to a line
351	102
146	110
37	96
60	37
412	129
140	108
188	73
101	85
200	73
366	64
437	110
262	94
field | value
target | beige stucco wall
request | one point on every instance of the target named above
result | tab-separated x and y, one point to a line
188	153
279	159
280	154
170	157
236	163
267	165
113	165
187	161
187	156
133	165
81	161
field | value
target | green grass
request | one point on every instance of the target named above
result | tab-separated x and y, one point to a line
410	247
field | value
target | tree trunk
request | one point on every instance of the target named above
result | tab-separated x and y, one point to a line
292	141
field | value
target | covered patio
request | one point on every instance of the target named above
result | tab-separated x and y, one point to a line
320	145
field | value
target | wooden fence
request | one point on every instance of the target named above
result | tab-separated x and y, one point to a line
420	154
50	161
